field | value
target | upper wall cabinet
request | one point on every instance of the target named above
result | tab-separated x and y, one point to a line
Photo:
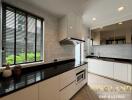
119	33
70	27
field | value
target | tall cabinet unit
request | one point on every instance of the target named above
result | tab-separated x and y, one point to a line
70	26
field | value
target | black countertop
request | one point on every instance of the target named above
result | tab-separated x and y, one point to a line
34	75
120	60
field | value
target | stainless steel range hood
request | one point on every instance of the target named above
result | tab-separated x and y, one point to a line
71	41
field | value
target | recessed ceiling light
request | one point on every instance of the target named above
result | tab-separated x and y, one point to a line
120	23
120	8
94	19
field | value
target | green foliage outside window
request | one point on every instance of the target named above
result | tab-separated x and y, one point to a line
20	58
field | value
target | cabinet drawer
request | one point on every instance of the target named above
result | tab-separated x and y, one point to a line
68	92
83	67
81	84
67	78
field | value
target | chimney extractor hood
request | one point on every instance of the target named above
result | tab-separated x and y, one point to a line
70	41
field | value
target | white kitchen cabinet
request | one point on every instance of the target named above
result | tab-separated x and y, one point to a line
129	73
100	67
70	26
49	89
83	67
80	84
107	68
93	66
29	93
61	87
115	70
67	78
68	91
121	71
67	84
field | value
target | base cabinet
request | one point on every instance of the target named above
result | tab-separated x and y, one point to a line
100	67
107	69
67	78
114	70
81	84
29	93
129	73
61	87
121	72
49	89
93	66
68	92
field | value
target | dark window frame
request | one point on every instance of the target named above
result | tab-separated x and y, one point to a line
27	14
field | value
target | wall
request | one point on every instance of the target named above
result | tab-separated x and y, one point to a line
52	48
114	51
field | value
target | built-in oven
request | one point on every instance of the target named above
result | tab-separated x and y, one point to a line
80	76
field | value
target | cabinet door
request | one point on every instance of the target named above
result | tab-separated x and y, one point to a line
71	25
92	66
68	92
107	68
100	67
49	89
67	78
29	93
63	26
78	28
129	73
121	71
95	66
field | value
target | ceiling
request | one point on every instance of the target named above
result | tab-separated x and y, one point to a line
59	7
126	25
105	11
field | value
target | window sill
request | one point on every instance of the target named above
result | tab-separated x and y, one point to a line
25	65
32	64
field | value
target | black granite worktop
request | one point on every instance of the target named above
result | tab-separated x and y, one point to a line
120	60
34	75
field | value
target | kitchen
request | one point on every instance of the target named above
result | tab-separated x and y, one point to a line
52	54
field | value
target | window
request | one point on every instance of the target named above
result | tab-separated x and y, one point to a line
22	36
